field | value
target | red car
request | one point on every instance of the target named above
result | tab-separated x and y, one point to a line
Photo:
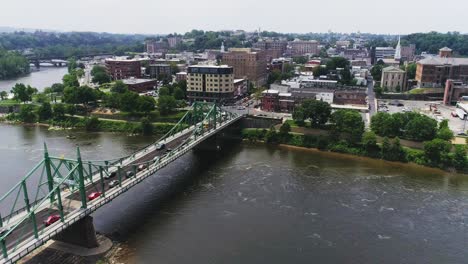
94	195
51	219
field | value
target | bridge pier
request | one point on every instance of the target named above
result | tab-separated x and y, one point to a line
81	234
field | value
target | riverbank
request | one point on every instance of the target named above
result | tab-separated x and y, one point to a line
388	150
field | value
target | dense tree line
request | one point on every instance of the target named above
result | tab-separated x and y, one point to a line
433	41
12	64
51	44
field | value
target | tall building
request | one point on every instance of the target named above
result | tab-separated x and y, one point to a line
434	71
384	53
248	64
300	47
210	83
160	70
407	52
273	48
153	46
174	41
394	79
123	68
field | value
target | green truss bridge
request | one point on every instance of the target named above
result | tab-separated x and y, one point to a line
61	187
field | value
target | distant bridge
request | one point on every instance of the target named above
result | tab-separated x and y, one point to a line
61	186
57	61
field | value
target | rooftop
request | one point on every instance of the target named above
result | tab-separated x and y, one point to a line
437	60
392	68
136	81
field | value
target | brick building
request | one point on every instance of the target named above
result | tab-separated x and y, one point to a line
140	85
434	71
123	68
248	64
454	91
160	70
394	79
153	46
174	41
273	48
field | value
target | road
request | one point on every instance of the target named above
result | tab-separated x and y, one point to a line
371	97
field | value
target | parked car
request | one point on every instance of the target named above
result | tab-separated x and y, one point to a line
160	146
94	195
51	219
130	174
462	134
168	150
141	167
110	175
113	183
3	231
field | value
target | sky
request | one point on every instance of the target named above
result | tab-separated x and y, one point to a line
299	16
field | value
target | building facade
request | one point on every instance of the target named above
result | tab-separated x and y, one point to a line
248	64
210	83
122	68
394	79
160	70
434	71
174	41
153	46
140	85
300	47
273	48
454	91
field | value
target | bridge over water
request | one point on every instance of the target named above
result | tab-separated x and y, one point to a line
59	186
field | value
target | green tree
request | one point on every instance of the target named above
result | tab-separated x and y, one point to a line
378	90
348	124
179	93
70	109
3	95
22	92
319	71
59	111
72	65
436	152
146	104
376	71
317	111
337	62
44	112
119	87
100	75
396	151
70	80
299	116
421	128
146	126
57	88
41	98
271	136
166	104
369	142
411	71
26	114
460	161
92	123
385	148
129	102
445	134
163	91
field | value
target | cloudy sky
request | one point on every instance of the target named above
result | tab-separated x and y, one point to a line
165	16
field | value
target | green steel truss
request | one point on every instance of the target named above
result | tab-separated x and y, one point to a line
59	185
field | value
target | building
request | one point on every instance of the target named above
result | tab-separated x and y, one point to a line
273	48
210	83
140	85
240	87
157	71
181	76
408	52
248	64
120	68
394	79
174	41
384	53
434	71
270	100
454	91
343	43
301	48
279	64
153	46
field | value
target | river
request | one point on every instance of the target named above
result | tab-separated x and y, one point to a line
41	79
257	204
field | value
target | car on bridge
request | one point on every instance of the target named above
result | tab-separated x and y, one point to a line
160	146
113	183
51	219
141	167
130	174
110	175
94	195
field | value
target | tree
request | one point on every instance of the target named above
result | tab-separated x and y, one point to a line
317	111
376	72
436	152
385	148
348	124
163	91
285	128
57	88
3	95
129	101
337	62
271	136
445	134
70	109
92	123
460	161
411	71
146	104
100	75
299	116
70	80
369	142
26	114
396	151
119	87
166	104
22	92
72	65
421	128
45	111
319	71
58	111
146	126
179	93
378	90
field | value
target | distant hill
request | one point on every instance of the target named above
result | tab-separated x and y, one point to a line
30	30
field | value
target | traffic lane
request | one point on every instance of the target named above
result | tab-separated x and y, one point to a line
25	229
97	186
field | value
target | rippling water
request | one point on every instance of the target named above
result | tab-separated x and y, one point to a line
258	204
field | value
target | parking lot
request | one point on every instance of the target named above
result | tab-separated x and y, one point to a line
424	107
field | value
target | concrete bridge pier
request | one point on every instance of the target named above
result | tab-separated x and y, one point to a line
81	233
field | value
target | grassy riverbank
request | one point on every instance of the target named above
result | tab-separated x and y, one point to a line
390	150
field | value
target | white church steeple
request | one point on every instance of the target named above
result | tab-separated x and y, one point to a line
398	50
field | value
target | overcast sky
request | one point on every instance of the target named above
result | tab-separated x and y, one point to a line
166	16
